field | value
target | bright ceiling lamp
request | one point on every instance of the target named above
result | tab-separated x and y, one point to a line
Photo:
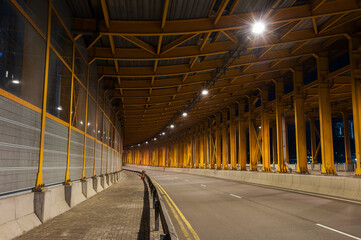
205	92
258	28
184	114
172	126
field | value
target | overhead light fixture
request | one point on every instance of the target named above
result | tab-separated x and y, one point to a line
15	81
163	133
205	92
172	126
258	27
155	139
81	123
59	108
88	124
146	142
138	144
184	114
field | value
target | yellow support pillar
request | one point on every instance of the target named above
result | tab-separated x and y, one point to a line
313	141
355	56
274	144
224	140
326	138
301	142
180	154
39	184
212	146
346	136
206	144
279	126
190	160
218	142
175	154
201	146
170	155
252	137
242	138
185	152
266	148
232	137
196	148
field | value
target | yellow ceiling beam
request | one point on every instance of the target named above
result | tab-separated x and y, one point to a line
228	22
204	66
147	47
177	42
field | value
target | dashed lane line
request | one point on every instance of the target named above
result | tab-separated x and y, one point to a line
335	230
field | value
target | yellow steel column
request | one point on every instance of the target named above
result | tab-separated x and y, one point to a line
180	154
279	126
266	148
190	142
212	157
157	156
170	154
274	144
242	138
313	141
67	180
39	184
164	156
252	137
205	144
232	137
326	138
175	158
201	146
174	153
218	142
346	136
355	56
301	142
86	121
224	140
185	151
196	147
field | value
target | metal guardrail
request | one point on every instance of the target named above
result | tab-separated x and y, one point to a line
160	209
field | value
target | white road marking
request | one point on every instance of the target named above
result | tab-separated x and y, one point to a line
346	234
235	195
203	185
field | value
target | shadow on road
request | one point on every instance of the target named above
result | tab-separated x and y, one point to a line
144	230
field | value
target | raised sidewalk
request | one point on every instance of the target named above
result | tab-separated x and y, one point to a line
122	211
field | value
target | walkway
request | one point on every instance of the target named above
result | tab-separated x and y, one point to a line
116	213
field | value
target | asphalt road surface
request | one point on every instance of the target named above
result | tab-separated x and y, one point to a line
225	209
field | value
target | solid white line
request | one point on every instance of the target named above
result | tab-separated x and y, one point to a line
235	195
203	185
346	234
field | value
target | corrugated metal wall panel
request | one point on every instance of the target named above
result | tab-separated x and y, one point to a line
55	152
105	159
76	155
19	146
98	159
89	157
